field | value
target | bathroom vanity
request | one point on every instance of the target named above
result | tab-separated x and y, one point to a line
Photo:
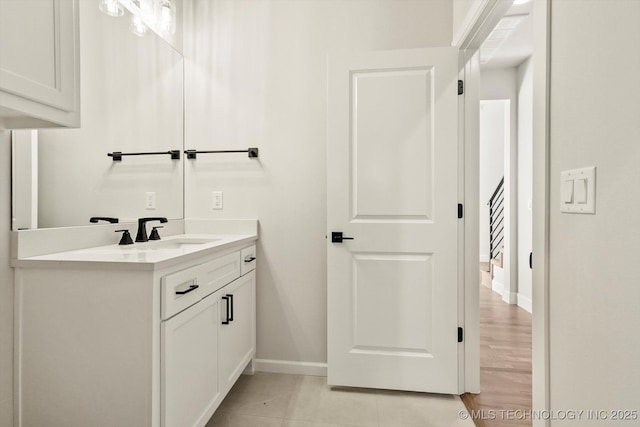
151	334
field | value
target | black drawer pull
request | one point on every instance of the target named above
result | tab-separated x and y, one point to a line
230	311
250	259
191	288
226	321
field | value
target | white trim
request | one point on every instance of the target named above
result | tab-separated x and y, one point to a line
291	367
497	287
524	302
509	297
540	275
469	232
480	20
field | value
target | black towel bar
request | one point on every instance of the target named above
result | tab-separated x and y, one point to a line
191	154
117	155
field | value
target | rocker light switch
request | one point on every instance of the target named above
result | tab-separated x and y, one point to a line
578	191
580	187
567	191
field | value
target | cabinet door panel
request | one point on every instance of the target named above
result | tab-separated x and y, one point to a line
190	387
237	338
39	63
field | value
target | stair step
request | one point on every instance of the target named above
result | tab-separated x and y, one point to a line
485	277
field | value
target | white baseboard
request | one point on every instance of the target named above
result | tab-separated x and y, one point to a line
497	286
291	367
509	297
525	303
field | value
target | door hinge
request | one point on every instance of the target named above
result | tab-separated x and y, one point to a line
460	87
460	211
460	334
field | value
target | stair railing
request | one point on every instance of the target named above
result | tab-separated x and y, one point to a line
496	220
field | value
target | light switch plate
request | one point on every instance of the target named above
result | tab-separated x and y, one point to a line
581	183
216	200
150	200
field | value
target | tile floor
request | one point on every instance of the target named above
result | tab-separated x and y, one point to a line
278	400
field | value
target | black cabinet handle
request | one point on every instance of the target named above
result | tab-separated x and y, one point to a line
250	259
191	288
226	321
230	311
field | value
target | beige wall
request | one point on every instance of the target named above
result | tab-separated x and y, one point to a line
256	76
594	277
6	285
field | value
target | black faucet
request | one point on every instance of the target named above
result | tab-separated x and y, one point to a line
95	219
142	228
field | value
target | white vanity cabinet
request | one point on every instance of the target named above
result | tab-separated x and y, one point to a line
156	346
39	64
237	332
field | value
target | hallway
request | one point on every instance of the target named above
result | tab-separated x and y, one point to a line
505	364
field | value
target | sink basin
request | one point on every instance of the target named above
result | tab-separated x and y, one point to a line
179	243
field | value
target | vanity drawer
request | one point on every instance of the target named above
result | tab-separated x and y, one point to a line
184	288
180	290
220	272
248	259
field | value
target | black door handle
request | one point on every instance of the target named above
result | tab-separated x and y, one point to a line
250	259
337	237
226	321
531	260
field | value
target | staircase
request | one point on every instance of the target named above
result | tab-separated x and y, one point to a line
491	273
489	270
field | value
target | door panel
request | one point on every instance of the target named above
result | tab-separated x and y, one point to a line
392	186
391	180
385	309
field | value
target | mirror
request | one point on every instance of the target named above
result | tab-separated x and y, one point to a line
131	102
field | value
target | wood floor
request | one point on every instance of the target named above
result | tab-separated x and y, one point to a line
505	364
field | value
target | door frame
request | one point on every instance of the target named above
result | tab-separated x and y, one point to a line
480	21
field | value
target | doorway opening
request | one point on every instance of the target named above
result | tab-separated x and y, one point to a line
505	215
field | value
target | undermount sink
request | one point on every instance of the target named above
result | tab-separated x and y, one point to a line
179	243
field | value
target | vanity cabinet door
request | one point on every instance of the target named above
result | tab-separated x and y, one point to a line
237	329
190	390
39	64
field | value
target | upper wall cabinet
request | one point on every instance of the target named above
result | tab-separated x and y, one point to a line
39	64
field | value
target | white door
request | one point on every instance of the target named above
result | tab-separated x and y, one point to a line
392	165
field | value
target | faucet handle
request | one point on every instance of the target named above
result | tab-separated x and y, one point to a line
126	237
154	233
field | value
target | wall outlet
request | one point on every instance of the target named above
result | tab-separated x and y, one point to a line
216	200
150	201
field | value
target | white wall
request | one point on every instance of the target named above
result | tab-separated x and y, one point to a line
594	280
256	76
525	176
6	285
493	130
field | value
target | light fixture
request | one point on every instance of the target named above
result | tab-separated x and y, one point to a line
159	15
166	16
111	7
137	27
144	6
519	2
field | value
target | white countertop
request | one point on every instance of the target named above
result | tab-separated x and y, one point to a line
148	255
